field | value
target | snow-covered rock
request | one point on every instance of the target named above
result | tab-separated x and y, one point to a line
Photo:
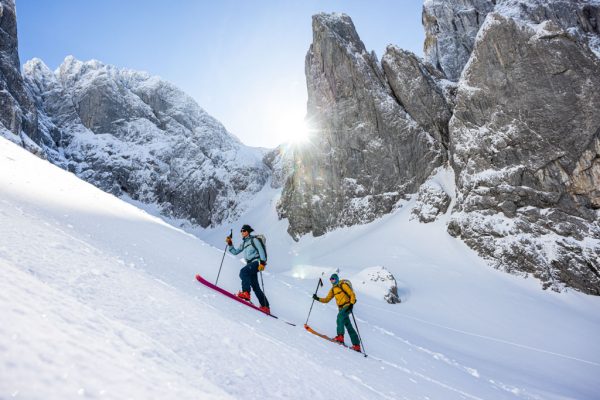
133	134
523	137
432	201
377	282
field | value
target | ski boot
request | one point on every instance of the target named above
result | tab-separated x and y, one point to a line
244	295
356	347
339	339
265	309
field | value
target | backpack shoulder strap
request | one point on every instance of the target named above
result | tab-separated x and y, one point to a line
256	248
342	282
252	243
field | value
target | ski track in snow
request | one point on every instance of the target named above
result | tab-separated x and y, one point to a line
428	379
471	370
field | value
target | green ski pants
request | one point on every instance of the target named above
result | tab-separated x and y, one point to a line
343	320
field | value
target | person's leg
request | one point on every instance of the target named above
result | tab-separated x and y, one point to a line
351	331
253	276
340	323
245	277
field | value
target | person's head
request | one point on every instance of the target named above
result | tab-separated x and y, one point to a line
334	279
246	230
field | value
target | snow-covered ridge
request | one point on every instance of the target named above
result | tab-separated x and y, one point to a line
133	134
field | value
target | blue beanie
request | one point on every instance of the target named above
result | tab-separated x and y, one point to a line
335	277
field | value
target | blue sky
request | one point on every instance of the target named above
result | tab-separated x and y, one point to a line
243	61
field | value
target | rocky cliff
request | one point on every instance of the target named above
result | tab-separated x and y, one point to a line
507	94
524	143
132	134
18	116
367	152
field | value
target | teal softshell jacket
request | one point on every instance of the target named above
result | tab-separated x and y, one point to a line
250	253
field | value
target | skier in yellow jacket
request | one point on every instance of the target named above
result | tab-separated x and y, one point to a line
345	299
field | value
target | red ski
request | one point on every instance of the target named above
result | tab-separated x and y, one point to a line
311	330
234	297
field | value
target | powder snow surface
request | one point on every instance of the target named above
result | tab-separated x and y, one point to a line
98	300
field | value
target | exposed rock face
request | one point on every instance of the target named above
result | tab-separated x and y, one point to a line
420	89
367	153
452	25
18	118
450	29
132	134
524	140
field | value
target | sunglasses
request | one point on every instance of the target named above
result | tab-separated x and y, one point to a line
243	230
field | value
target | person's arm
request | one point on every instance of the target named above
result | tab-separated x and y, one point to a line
327	298
235	251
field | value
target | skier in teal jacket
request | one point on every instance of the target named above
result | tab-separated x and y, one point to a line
256	260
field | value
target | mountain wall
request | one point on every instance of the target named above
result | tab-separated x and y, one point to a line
525	141
507	95
18	116
363	130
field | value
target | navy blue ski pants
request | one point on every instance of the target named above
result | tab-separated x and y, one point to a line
249	276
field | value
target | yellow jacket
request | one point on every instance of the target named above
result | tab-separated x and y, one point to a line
344	295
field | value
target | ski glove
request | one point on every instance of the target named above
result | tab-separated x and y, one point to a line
228	240
261	265
315	297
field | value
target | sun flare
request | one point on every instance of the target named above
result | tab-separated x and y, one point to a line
298	133
293	128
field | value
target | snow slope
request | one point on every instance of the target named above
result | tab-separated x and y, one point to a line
98	300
